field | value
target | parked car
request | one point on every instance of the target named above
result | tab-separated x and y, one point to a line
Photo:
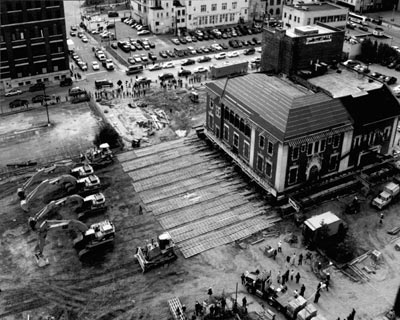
163	54
114	45
82	65
390	80
249	51
224	46
144	58
152	56
168	65
66	82
95	66
233	54
37	87
99	84
131	60
18	103
175	41
84	39
200	70
143	32
170	53
137	58
72	33
256	40
77	91
155	67
188	62
182	40
166	76
184	73
151	44
40	98
112	14
220	56
204	59
13	92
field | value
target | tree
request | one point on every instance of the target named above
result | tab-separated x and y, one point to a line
368	51
107	134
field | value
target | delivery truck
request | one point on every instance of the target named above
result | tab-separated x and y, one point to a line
231	69
390	191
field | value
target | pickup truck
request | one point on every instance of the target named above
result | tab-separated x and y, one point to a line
390	191
108	64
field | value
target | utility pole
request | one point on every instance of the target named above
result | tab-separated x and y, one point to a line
45	104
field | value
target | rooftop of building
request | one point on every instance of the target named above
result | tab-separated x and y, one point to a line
315	222
315	6
284	109
346	83
307	31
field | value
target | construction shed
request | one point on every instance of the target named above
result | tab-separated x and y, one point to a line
312	226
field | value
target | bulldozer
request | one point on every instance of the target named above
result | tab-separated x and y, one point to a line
89	205
77	172
88	240
98	157
71	185
156	254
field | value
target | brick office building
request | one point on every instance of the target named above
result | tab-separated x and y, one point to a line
290	50
33	45
284	135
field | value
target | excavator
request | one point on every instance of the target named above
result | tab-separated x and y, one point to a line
71	184
99	157
89	239
89	205
77	172
156	254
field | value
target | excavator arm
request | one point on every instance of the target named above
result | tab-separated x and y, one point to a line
66	180
53	204
56	224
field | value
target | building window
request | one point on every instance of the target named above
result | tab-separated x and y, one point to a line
247	131
211	121
268	168
235	140
203	8
303	147
308	21
278	2
246	150
189	17
322	146
270	148
241	125
329	140
245	10
310	148
224	6
190	3
237	121
214	7
336	141
357	141
234	5
293	175
261	142
218	111
316	146
278	11
260	163
386	133
232	17
271	2
295	153
333	162
226	132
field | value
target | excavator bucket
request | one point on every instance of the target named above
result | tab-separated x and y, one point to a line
41	261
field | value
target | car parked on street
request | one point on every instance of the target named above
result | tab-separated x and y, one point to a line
40	98
175	41
163	54
37	87
168	65
13	92
204	59
18	103
200	70
95	66
220	56
188	62
156	66
184	73
166	76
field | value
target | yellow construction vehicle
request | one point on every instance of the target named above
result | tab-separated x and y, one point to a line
92	239
156	254
70	184
89	205
98	157
78	172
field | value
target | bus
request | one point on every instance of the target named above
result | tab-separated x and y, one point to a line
357	18
134	69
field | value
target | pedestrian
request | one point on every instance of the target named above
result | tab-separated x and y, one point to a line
178	311
300	259
328	276
183	308
316	298
210	292
140	210
212	310
242	277
288	259
319	266
381	219
275	253
319	286
223	304
298	277
287	275
280	246
327	284
244	302
293	261
278	277
353	313
283	279
291	275
197	308
302	290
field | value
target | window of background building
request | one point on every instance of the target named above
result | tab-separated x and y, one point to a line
246	150
183	12
336	140
245	10
310	148
231	17
211	121
261	142
316	146
333	162
214	7
247	131
234	5
268	168
303	147
226	132
271	2
218	111
203	8
270	148
235	140
260	162
217	133
322	145
157	23
295	153
308	21
293	175
329	140
278	11
278	2
224	6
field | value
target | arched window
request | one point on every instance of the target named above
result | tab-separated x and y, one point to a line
278	11
271	12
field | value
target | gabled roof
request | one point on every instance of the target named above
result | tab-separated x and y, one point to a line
282	108
375	105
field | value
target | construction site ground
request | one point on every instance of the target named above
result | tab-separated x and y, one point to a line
218	219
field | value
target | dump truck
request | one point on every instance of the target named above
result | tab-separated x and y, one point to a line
227	70
390	191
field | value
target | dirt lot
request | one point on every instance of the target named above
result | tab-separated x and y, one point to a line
113	287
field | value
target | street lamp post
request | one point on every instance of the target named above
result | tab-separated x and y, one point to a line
45	104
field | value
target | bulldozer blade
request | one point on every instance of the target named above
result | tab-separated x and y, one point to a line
41	261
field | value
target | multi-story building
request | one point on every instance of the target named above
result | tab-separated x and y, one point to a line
290	50
33	44
363	6
305	14
164	16
284	135
274	8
